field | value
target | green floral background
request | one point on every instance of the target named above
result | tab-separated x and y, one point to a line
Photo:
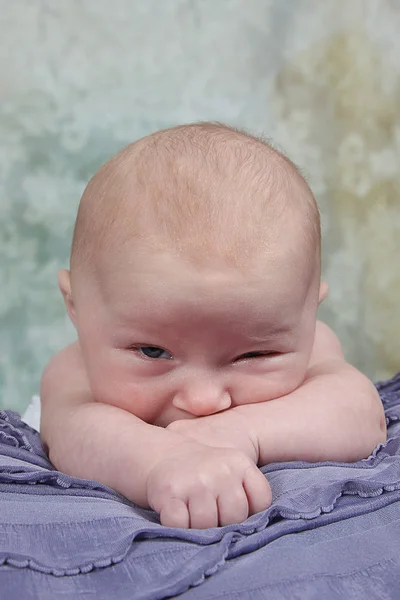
80	79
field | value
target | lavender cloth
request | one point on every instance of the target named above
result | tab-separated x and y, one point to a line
333	531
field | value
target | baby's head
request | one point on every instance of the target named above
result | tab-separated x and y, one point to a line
195	274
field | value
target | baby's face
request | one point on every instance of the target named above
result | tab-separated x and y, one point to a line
166	340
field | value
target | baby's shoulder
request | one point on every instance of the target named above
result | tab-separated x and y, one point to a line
326	345
70	356
65	366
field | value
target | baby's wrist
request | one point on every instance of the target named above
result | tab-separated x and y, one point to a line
248	426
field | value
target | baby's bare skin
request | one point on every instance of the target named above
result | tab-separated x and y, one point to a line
202	472
199	355
190	484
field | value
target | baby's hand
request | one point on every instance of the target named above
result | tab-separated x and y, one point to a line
199	486
227	429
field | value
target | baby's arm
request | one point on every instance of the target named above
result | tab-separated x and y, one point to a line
189	484
93	440
336	414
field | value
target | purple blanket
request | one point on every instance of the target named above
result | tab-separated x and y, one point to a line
333	531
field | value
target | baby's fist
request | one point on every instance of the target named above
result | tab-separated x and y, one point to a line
199	486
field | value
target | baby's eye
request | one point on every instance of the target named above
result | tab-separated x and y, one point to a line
256	355
153	352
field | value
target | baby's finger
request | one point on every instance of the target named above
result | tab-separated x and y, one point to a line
203	511
174	513
258	491
233	506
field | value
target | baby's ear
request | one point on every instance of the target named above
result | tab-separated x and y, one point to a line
323	291
64	283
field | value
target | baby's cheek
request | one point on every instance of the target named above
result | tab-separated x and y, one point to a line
138	400
270	386
113	388
116	384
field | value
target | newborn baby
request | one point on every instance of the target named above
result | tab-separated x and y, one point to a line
194	287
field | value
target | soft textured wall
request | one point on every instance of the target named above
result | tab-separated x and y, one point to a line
82	78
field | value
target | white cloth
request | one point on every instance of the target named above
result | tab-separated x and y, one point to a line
32	414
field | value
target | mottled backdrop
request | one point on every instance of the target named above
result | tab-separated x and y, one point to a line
80	79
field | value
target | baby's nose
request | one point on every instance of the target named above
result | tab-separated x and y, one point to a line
202	399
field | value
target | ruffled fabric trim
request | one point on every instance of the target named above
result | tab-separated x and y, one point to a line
30	563
228	539
11	435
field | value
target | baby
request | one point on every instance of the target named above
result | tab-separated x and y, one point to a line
194	288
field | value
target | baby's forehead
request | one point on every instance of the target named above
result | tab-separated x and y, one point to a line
252	256
273	272
170	290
